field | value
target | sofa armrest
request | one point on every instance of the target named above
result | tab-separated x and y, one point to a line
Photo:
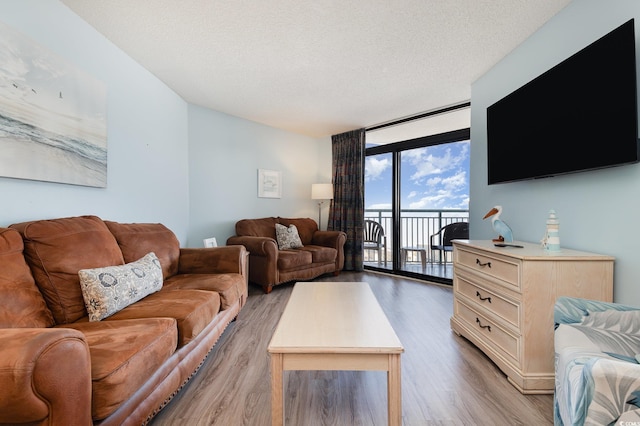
212	260
257	246
45	376
263	259
569	310
333	239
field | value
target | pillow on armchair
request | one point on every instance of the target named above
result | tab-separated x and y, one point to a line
288	237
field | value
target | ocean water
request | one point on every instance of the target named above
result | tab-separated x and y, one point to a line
29	152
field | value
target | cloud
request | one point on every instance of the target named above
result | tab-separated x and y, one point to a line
459	180
431	201
437	159
434	181
374	168
380	206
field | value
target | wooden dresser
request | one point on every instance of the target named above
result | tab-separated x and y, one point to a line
504	298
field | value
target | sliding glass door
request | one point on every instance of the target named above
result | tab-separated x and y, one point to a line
413	188
434	191
378	238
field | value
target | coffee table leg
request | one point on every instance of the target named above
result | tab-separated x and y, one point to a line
394	390
277	401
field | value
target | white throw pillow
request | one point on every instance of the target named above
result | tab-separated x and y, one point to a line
110	289
287	238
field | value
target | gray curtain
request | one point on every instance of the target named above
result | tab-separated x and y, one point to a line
347	208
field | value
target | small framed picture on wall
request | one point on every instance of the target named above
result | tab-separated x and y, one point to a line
269	183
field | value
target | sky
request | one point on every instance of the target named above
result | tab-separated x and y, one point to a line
38	87
435	177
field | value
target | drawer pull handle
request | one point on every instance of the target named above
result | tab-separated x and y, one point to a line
483	298
488	327
483	264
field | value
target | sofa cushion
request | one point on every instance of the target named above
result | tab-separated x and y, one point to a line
21	303
230	287
57	249
192	309
264	227
138	239
291	259
321	254
124	355
107	290
306	227
287	237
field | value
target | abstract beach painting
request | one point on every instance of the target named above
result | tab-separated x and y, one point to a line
52	116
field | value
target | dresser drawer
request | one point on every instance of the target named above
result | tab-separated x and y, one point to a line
504	269
488	300
489	331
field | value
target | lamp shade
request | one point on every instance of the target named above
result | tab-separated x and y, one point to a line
322	191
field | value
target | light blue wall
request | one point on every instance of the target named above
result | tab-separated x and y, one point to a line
192	169
148	179
225	153
598	209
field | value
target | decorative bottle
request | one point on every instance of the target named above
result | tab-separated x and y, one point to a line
553	232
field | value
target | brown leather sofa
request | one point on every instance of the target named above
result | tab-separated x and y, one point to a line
59	368
322	251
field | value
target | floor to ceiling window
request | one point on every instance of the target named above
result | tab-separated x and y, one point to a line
414	186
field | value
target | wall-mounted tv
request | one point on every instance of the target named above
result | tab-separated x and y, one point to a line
580	115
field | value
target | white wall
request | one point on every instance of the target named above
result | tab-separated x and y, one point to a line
597	209
148	178
225	153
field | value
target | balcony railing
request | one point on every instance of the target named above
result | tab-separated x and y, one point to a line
416	226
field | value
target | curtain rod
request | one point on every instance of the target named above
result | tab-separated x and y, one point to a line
418	117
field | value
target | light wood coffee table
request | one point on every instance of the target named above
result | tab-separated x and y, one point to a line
334	326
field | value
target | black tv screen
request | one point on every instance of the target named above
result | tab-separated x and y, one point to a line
580	115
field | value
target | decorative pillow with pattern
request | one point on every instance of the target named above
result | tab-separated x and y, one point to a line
110	289
288	238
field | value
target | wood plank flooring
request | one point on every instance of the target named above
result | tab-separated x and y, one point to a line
445	379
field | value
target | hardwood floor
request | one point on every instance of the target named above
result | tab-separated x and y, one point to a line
445	379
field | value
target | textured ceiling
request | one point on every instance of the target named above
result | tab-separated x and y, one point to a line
318	68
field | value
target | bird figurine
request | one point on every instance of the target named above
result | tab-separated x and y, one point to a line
504	231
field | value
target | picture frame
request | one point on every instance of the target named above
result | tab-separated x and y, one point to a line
269	183
53	116
210	242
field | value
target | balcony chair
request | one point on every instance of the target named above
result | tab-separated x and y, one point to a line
374	239
441	240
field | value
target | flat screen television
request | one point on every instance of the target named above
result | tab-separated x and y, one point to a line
580	115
